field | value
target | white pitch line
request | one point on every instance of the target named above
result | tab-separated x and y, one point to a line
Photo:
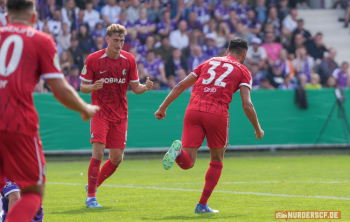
255	182
196	190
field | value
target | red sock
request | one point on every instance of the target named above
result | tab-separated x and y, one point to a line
184	160
24	209
94	170
107	170
211	179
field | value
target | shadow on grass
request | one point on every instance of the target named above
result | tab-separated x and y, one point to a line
87	210
194	217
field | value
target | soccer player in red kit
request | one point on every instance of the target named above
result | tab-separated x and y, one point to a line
107	74
23	60
216	80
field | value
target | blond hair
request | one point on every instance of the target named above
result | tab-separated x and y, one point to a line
316	76
116	28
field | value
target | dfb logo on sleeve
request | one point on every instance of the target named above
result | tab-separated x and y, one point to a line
56	62
83	72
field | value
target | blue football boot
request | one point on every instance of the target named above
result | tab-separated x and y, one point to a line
200	209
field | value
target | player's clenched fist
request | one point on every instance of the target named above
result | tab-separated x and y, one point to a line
149	84
98	84
160	114
259	134
89	112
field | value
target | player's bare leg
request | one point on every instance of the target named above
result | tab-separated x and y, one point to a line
93	173
110	166
31	198
184	157
211	179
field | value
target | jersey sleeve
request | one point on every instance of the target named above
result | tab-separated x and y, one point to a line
134	76
49	62
87	73
246	79
10	187
198	70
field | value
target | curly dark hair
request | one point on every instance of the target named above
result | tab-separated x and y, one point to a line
238	45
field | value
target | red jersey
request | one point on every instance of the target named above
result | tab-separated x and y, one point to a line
218	79
22	61
117	74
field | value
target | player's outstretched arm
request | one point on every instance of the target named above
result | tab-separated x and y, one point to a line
250	111
86	87
177	90
66	94
138	88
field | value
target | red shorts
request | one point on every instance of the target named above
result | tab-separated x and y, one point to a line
199	124
112	134
21	159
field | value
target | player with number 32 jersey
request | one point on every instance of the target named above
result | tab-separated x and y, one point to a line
215	81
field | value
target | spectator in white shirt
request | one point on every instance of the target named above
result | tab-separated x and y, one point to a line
290	22
134	11
91	16
178	38
257	54
70	13
63	39
55	23
110	12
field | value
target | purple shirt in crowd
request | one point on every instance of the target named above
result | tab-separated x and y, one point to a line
97	33
177	65
252	24
10	188
211	52
142	50
143	24
231	26
277	26
193	62
196	25
136	43
342	79
162	25
290	86
242	10
223	12
257	80
202	13
153	67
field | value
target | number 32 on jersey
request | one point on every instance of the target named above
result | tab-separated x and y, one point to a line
211	71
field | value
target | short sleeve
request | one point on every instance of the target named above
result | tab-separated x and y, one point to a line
134	76
10	187
87	73
49	61
198	70
246	79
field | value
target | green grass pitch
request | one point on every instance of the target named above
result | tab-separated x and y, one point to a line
250	189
